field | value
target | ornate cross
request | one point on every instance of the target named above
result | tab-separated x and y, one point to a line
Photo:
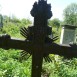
37	42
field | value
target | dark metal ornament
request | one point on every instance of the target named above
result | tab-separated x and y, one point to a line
38	34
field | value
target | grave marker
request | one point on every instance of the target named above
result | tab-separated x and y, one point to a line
67	34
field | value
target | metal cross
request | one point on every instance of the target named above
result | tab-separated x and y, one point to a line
37	42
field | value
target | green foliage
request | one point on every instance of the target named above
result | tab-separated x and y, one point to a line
56	28
70	14
60	68
12	26
26	21
11	30
55	23
11	66
56	33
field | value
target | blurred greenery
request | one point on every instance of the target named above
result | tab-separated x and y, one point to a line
70	14
11	66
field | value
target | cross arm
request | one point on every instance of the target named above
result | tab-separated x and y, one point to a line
68	51
7	43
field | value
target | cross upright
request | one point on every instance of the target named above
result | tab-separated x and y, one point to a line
37	42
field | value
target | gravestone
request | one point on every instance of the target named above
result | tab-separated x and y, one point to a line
67	34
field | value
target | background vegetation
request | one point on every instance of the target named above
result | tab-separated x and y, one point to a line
12	66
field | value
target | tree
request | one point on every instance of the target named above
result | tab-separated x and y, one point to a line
70	14
26	21
55	23
14	19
